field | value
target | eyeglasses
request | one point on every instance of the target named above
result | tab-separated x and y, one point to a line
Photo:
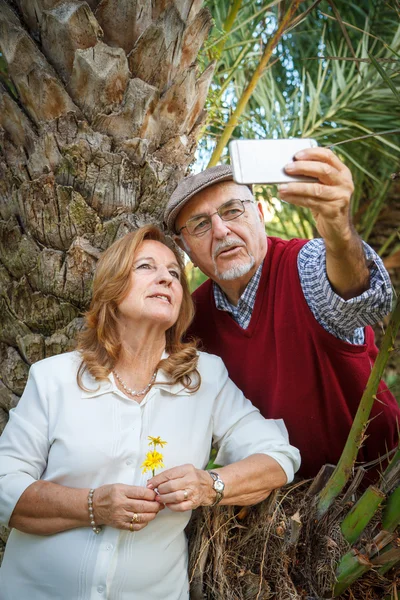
228	211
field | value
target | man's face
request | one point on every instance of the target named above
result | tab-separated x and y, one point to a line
230	250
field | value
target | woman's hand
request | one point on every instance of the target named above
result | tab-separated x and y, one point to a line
117	504
183	488
247	482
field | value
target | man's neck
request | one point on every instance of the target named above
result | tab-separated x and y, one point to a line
234	289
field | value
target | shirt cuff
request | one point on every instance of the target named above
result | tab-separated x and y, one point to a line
345	319
257	435
13	486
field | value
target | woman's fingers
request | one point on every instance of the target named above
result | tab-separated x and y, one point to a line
184	495
142	506
177	485
138	521
114	505
170	475
174	485
183	488
182	506
137	492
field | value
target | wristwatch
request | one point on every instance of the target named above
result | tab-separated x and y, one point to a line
218	486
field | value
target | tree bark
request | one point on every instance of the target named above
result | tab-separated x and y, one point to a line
99	117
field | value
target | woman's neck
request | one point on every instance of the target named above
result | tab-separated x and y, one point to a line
139	358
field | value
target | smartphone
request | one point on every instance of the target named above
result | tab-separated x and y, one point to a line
263	161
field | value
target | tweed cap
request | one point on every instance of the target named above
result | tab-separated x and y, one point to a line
189	186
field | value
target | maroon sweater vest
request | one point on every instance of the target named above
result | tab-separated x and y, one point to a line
291	368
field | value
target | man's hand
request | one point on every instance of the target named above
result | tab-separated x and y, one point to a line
328	199
183	488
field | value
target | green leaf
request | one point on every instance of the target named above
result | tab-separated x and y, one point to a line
384	76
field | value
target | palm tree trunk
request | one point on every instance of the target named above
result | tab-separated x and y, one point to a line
99	115
100	107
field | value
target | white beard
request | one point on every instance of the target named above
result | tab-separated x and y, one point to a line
236	271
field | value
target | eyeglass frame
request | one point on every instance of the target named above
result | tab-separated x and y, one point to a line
215	213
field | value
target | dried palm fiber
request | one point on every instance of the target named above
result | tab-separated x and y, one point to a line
277	549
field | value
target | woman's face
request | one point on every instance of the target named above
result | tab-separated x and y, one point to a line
155	292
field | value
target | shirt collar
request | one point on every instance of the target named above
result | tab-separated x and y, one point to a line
96	388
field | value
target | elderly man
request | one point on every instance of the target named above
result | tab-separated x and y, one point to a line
290	319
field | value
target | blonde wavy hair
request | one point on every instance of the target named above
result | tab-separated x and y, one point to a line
99	342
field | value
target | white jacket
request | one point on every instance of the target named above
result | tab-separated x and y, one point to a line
62	434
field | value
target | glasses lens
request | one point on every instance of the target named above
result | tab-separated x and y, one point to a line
198	225
227	212
231	210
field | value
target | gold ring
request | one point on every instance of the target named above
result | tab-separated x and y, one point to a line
185	494
135	518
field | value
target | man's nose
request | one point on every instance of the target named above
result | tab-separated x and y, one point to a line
219	227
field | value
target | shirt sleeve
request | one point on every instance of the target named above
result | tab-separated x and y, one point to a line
239	430
345	319
24	447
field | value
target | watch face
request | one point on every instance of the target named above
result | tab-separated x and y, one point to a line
219	486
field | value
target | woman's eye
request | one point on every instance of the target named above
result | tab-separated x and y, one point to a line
176	274
144	266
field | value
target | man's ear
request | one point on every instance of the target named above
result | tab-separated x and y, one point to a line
180	242
260	209
183	246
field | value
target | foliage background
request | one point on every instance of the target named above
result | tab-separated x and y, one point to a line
333	76
100	110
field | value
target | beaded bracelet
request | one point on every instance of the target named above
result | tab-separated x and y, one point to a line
91	513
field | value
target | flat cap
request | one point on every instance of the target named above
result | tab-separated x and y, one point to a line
189	186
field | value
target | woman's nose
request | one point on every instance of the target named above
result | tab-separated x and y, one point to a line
164	276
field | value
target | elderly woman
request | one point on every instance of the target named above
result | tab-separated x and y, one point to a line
87	521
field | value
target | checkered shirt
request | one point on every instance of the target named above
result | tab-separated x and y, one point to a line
242	312
345	319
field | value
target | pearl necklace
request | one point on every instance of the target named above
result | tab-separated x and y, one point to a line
134	392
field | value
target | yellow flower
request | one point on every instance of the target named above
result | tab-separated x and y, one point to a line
153	461
156	441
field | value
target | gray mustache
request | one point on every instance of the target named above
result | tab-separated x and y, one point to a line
227	243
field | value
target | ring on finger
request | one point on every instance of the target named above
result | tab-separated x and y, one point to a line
135	518
185	494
